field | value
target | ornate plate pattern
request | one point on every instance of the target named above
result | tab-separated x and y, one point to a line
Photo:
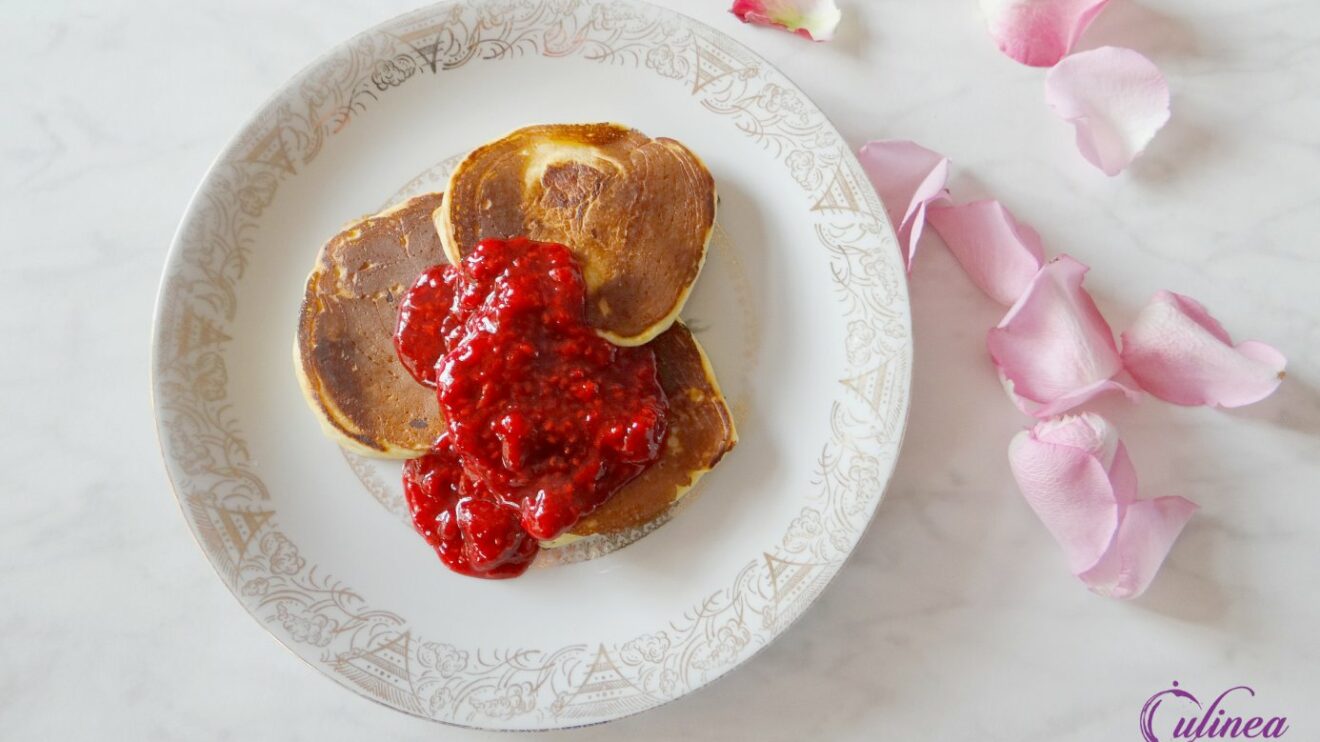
220	478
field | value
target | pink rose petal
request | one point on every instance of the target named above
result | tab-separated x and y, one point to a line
1146	532
999	254
1123	476
1053	349
1176	351
1077	477
812	19
1064	402
1115	98
908	177
1039	32
1067	484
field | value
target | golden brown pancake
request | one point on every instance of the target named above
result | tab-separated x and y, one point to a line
344	352
701	431
368	402
636	212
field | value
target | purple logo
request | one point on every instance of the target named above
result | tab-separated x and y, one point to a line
1216	721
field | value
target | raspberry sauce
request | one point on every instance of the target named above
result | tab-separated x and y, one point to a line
545	420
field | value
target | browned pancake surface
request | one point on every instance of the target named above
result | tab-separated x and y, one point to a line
358	387
345	344
701	431
637	212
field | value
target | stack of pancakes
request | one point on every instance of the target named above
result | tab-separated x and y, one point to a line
636	212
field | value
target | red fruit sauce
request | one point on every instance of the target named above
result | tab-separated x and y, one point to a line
545	420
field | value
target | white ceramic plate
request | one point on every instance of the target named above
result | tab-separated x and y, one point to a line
802	308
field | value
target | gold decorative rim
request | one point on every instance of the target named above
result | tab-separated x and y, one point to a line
375	651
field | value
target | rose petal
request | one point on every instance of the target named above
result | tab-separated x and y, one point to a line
1176	351
1146	532
1065	402
908	177
812	19
1067	486
1115	98
1039	32
1053	349
1088	431
999	254
1123	476
1075	474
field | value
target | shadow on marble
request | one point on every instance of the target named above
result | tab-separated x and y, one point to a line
1295	406
1183	590
1181	149
853	38
964	187
1151	31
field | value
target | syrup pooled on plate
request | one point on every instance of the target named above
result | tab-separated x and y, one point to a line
545	420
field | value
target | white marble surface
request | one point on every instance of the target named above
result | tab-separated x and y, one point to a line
955	620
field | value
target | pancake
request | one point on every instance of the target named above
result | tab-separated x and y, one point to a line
344	352
701	431
637	213
369	403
